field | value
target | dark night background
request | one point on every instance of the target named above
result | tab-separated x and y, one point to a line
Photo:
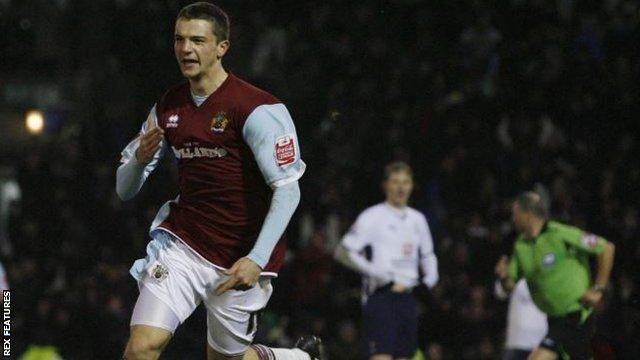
483	98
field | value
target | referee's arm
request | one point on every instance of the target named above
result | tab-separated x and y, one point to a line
604	264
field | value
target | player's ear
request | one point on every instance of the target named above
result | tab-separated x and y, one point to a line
222	48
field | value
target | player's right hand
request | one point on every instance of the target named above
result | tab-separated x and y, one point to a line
591	298
149	142
243	275
502	268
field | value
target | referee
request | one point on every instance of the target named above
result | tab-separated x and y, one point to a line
387	244
554	260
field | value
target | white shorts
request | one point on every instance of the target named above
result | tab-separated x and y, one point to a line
181	279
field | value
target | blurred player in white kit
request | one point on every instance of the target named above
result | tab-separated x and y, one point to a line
388	244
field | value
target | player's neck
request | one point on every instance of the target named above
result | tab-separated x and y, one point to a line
206	84
396	205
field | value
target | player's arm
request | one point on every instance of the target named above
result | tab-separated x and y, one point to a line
604	252
429	261
507	270
271	135
140	158
350	250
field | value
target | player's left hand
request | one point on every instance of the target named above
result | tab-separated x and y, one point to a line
591	298
243	275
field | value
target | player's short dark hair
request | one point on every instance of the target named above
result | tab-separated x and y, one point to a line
206	11
397	166
535	203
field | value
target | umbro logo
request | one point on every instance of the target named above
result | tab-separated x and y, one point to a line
173	121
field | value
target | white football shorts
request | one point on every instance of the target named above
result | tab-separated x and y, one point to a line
174	279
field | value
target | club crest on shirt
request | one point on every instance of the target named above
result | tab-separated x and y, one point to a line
219	122
285	150
549	259
158	272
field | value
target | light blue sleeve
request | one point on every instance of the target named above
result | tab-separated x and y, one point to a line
271	135
284	202
131	175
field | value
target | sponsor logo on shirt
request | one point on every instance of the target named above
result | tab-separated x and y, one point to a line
219	122
285	150
198	152
407	249
589	240
173	121
549	259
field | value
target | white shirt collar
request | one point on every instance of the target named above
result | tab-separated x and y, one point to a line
399	212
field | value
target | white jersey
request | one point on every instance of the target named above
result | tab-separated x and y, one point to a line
526	324
400	241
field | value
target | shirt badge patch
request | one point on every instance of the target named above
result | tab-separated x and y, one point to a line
590	240
285	150
219	122
549	259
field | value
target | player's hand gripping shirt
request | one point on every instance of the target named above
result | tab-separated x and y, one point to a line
230	150
556	266
400	241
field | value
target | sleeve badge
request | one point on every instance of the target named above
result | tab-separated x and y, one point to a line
589	240
285	150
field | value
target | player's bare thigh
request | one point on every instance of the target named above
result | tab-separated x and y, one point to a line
543	354
146	342
250	354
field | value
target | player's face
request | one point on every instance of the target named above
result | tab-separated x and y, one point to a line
398	188
519	217
196	47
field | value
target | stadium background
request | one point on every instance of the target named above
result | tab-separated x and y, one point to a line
483	98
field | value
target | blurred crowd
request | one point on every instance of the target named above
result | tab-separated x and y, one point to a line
483	98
